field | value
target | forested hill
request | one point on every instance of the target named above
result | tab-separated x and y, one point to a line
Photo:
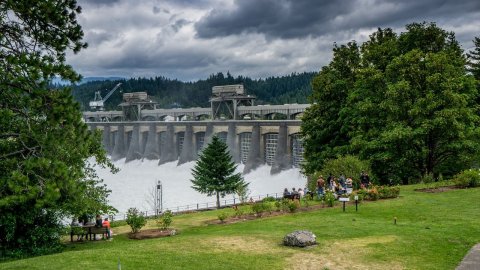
170	93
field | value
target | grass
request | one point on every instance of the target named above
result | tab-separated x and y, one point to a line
433	231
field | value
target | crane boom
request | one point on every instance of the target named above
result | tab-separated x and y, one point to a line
98	101
111	92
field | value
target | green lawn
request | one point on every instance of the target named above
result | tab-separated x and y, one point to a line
433	231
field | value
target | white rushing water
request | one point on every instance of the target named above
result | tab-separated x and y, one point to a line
133	185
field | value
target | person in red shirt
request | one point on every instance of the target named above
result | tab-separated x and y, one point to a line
106	224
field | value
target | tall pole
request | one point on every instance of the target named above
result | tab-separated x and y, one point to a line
158	198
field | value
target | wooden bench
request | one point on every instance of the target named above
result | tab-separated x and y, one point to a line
292	196
90	232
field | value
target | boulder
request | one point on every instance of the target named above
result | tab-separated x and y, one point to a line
300	239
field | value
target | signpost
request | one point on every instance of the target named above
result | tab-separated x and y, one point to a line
356	203
344	200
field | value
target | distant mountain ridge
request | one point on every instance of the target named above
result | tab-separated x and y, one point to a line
293	88
59	81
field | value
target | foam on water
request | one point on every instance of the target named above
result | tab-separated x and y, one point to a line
133	185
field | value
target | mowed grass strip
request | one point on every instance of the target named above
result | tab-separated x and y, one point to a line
433	231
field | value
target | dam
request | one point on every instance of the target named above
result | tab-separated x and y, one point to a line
255	135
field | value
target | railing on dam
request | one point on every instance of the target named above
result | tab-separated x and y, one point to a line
272	112
199	206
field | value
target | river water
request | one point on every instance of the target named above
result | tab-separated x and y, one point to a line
134	185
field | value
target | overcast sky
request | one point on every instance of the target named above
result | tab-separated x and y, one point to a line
191	39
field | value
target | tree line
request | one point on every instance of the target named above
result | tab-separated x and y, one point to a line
293	88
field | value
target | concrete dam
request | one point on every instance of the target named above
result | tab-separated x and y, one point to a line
255	135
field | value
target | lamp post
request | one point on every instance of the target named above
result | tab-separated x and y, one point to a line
158	198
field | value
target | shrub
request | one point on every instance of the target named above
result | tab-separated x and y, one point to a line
222	216
135	219
165	220
238	212
285	203
329	198
278	205
385	192
467	178
293	205
260	207
306	201
372	194
269	199
360	193
428	178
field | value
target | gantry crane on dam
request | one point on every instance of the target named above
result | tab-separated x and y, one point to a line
98	102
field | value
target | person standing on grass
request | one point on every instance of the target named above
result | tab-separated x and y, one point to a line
106	224
320	186
364	179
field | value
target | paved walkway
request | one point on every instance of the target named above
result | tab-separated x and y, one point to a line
472	260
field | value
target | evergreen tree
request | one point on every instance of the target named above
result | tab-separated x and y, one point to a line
474	59
214	172
45	175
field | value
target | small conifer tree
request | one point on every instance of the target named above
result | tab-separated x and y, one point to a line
214	172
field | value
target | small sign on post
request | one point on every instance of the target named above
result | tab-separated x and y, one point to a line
356	203
344	200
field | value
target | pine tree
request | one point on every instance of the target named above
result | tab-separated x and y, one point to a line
214	171
45	146
474	59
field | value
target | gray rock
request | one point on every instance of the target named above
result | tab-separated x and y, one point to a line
300	239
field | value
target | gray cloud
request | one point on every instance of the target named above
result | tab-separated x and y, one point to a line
302	18
190	39
157	10
179	24
97	2
283	19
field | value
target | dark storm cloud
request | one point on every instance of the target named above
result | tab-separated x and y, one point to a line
302	18
284	19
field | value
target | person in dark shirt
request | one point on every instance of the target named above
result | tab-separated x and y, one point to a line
365	179
98	221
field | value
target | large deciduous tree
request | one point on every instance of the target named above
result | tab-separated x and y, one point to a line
410	108
45	147
214	172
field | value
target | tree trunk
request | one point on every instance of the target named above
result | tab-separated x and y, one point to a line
218	200
430	162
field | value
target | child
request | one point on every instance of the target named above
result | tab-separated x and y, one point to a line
106	224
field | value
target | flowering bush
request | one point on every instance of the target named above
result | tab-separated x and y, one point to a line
375	193
329	198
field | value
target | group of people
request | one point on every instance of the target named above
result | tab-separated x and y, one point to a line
340	185
99	223
294	194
